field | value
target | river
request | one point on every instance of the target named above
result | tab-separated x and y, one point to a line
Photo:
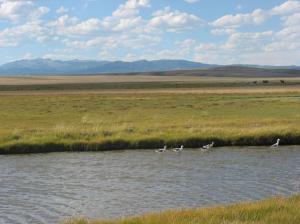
47	188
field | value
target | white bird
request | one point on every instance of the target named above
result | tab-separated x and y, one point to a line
276	144
209	146
162	150
178	149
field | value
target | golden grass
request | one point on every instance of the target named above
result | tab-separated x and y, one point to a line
272	211
120	120
205	90
43	80
34	80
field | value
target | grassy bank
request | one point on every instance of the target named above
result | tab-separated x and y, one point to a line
81	121
272	211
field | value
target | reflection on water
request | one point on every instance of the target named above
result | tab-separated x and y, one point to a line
45	188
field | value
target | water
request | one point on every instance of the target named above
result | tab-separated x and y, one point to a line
46	188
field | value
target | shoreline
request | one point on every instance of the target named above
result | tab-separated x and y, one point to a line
267	211
142	144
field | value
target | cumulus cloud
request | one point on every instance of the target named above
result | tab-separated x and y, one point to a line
72	26
286	8
257	17
174	20
126	16
191	1
222	31
292	20
11	37
130	41
248	41
62	10
130	8
7	42
16	10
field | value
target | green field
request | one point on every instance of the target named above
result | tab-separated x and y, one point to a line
124	118
272	211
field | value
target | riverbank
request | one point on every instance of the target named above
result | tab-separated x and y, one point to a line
116	119
270	211
146	144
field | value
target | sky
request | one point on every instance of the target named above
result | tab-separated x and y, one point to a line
264	32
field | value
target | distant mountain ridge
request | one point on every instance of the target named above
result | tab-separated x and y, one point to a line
76	67
90	67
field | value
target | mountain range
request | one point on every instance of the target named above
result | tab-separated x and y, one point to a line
76	67
85	67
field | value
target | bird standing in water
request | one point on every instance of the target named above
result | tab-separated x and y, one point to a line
276	144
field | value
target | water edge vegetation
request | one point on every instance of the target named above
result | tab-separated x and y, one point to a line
271	211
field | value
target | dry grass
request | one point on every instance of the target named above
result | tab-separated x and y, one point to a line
206	90
271	211
43	80
38	80
121	119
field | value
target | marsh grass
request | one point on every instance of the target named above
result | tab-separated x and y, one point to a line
272	211
46	123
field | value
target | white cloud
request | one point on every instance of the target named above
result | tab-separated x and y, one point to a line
95	42
71	26
286	8
288	38
125	17
222	31
257	17
130	41
11	37
7	42
258	47
248	41
16	10
236	49
186	46
187	43
130	8
174	21
64	20
121	24
292	20
62	10
191	1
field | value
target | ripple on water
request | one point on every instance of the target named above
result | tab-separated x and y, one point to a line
46	188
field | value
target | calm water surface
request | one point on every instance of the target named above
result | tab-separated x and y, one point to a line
46	188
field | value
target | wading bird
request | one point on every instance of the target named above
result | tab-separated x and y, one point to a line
276	144
162	150
209	146
178	149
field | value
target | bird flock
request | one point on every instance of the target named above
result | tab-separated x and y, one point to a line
204	148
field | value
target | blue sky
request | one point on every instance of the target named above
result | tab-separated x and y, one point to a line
209	31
